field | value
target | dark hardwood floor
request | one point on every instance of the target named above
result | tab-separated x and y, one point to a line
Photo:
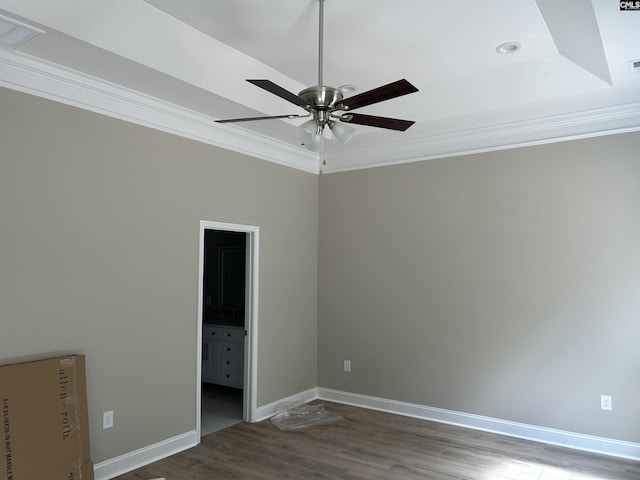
370	445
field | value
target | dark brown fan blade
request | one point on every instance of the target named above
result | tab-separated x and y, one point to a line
380	94
374	121
250	119
271	87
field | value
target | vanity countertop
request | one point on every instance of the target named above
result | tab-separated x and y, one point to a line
222	323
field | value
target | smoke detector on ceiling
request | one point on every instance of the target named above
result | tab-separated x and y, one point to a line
14	33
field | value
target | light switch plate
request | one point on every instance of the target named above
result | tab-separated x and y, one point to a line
107	419
606	403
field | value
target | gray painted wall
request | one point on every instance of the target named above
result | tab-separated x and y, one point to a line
504	284
99	225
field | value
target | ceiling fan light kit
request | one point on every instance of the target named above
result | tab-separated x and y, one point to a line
309	136
329	108
341	132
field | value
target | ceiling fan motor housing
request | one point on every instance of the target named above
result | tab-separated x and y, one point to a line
321	98
320	101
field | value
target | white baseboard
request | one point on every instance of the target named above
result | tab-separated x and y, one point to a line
606	446
267	411
144	456
577	441
139	458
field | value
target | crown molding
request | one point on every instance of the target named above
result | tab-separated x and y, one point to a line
556	128
37	77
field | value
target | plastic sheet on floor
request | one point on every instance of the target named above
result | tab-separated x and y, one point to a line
297	417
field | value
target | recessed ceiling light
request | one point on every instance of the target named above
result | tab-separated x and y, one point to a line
347	89
509	47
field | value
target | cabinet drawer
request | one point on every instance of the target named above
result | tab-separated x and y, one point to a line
230	349
223	333
230	370
232	334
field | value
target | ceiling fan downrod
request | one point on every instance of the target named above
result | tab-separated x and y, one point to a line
320	41
321	99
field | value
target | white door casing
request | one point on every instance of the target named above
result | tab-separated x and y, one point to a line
251	317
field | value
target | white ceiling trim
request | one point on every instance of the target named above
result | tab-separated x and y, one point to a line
28	74
44	79
550	129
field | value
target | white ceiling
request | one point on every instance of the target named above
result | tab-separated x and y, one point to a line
570	79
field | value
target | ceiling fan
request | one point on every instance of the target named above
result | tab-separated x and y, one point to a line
328	106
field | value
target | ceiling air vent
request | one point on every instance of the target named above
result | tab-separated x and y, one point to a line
634	68
14	33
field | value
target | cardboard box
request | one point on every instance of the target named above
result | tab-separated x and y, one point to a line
45	433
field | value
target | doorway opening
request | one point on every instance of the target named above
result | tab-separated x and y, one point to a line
227	325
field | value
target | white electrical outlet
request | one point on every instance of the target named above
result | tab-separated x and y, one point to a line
107	419
347	365
606	402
